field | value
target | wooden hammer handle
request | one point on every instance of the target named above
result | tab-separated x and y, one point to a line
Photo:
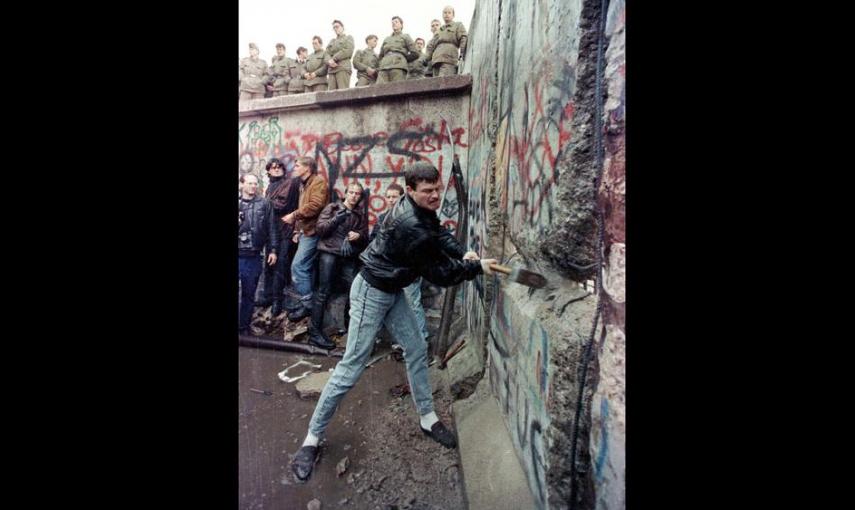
501	269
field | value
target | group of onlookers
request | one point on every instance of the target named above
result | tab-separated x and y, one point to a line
331	68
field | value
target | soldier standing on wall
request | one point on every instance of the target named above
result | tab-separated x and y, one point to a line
316	67
449	45
279	73
253	75
339	51
297	69
366	62
417	66
434	28
395	54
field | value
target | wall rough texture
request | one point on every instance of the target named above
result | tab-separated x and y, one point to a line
608	409
532	175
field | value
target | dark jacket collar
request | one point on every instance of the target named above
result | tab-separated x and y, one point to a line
420	212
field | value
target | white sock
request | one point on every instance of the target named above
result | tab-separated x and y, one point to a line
311	440
428	420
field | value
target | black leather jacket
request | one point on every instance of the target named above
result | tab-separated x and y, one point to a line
332	229
411	243
284	195
258	227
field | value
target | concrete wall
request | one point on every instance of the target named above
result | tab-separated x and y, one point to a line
532	201
367	134
608	409
368	138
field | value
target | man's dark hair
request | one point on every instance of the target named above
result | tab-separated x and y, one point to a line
274	161
396	187
421	171
280	45
339	22
320	41
309	162
370	36
420	39
301	49
398	18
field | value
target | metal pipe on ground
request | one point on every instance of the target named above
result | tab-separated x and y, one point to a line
266	342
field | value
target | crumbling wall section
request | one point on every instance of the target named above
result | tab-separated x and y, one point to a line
608	409
533	202
484	220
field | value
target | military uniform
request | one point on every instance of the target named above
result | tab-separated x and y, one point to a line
253	77
340	49
280	74
296	69
446	47
428	66
417	68
397	51
362	60
316	63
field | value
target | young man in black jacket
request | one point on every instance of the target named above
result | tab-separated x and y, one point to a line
413	291
410	243
257	230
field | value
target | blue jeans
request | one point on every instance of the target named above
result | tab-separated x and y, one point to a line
413	292
249	271
303	268
371	308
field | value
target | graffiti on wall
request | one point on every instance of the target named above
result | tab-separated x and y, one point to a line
520	379
535	112
481	62
375	159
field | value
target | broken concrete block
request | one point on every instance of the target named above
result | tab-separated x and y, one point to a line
342	466
293	330
310	388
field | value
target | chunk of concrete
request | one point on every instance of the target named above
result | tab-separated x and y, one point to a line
342	466
310	388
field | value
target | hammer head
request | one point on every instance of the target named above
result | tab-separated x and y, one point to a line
526	277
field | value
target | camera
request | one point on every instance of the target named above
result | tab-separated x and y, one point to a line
245	240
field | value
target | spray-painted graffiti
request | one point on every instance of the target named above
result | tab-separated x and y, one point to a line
520	379
603	441
374	159
535	113
481	62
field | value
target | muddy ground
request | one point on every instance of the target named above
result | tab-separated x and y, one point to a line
391	463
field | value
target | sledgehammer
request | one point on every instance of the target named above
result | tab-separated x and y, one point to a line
521	276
